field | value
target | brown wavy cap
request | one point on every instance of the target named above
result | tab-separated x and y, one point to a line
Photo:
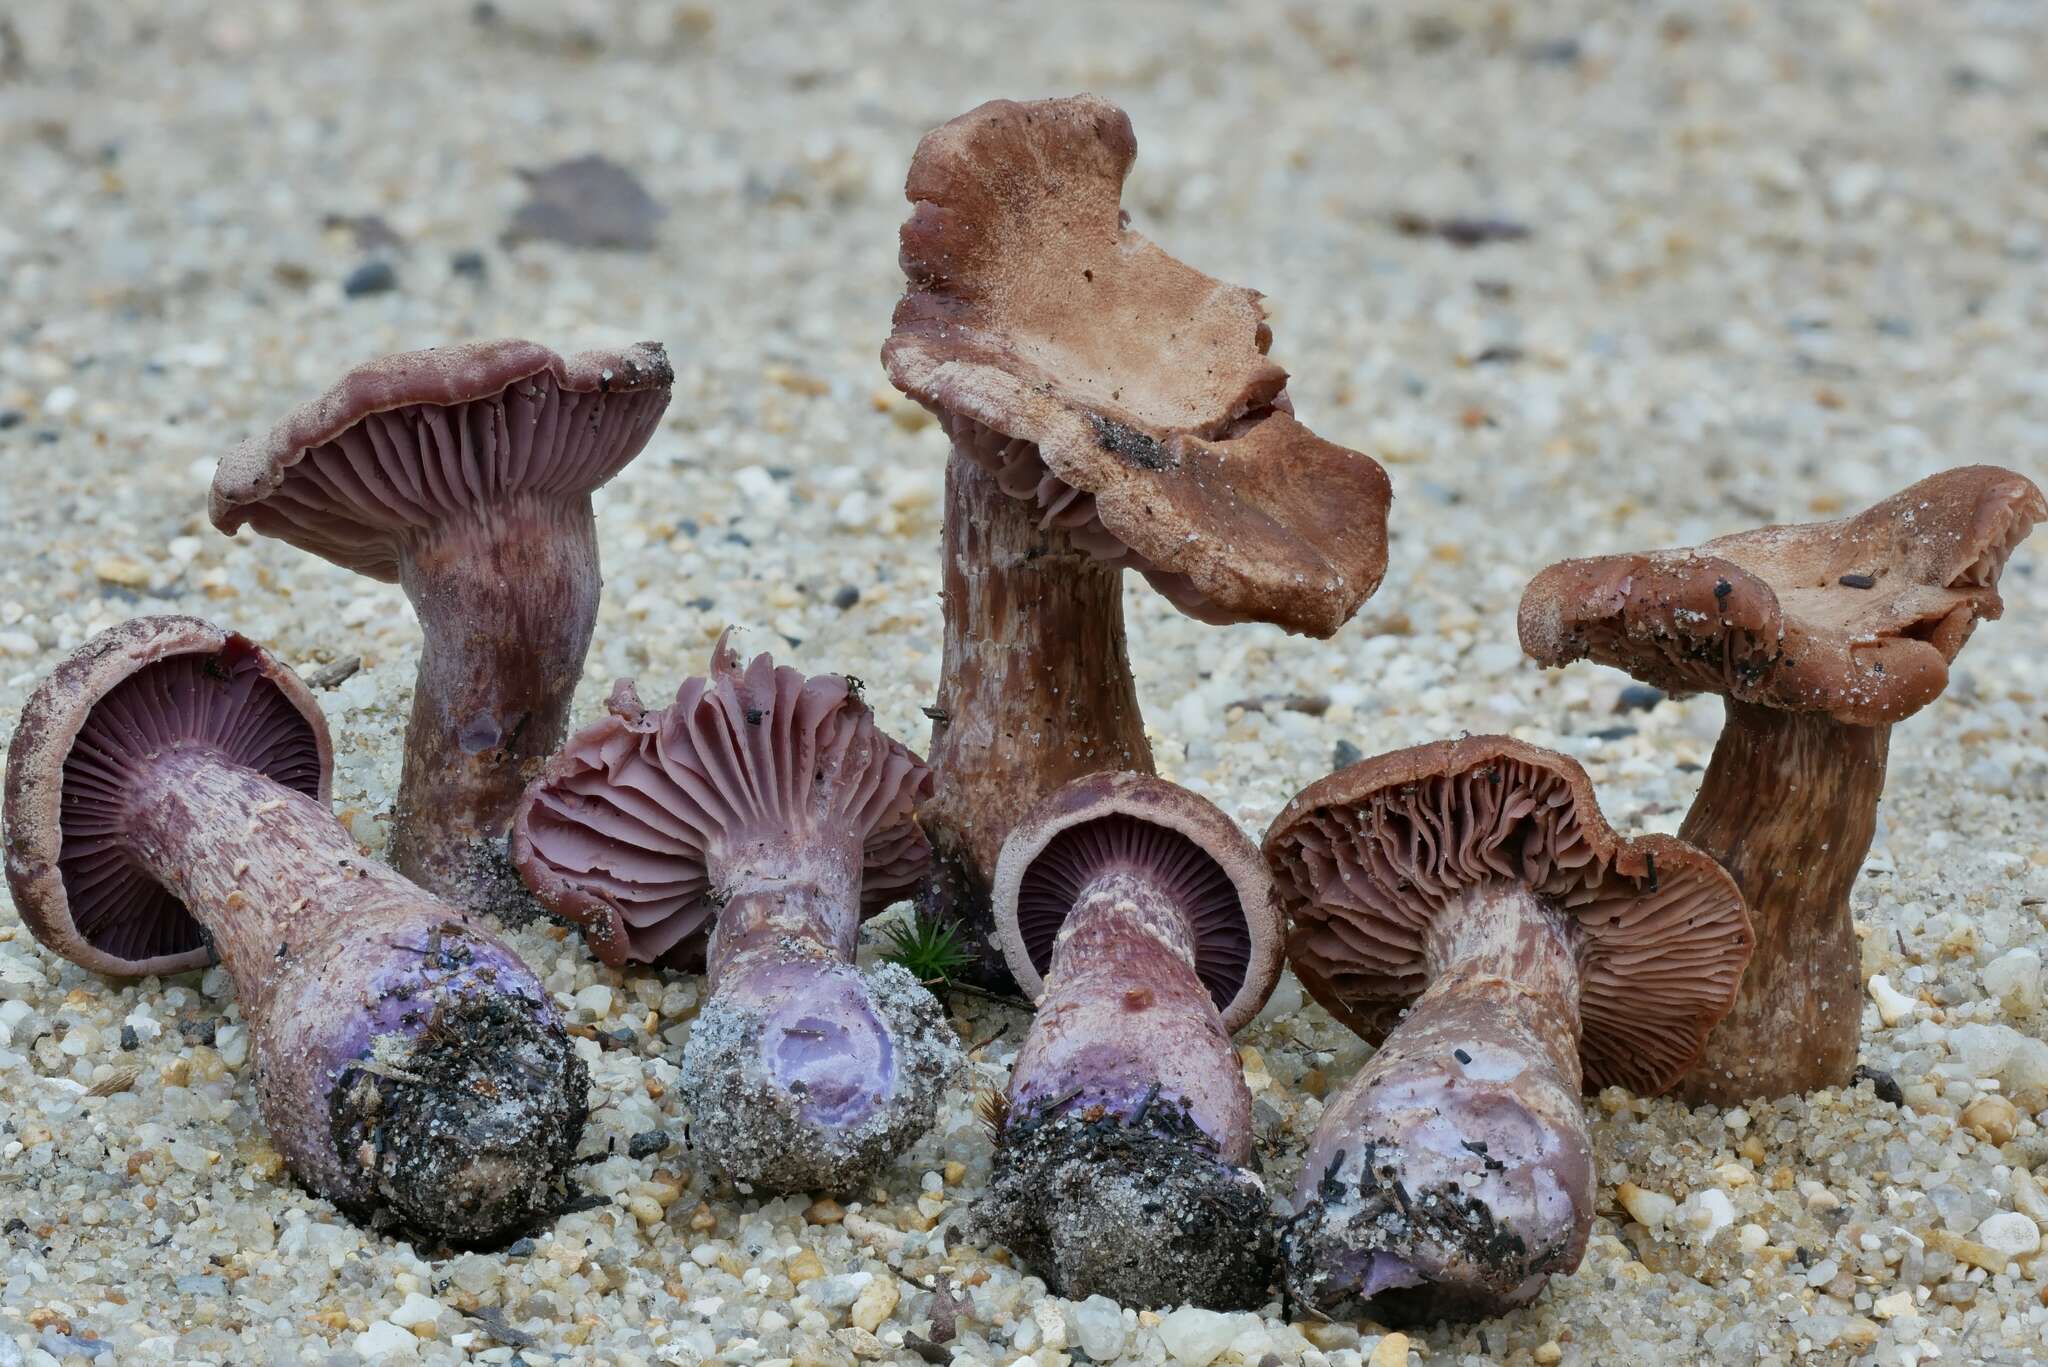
51	719
1144	384
1366	857
295	483
1238	936
1858	618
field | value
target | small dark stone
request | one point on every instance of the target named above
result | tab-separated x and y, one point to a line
1345	753
647	1143
1613	733
846	598
198	1031
737	539
376	276
49	436
701	604
11	417
14	1226
1638	698
938	1354
1857	581
519	1248
1461	1056
1555	51
587	201
470	263
130	1041
688	526
1882	1083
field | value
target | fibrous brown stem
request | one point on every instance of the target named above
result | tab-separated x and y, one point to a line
507	604
1034	690
1453	1173
1789	807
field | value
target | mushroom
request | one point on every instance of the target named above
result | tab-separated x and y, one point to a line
750	826
1819	637
1474	886
167	800
464	474
1109	408
1142	921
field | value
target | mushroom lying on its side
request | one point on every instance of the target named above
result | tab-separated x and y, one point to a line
464	474
749	826
1465	905
1820	637
1142	921
1109	408
167	797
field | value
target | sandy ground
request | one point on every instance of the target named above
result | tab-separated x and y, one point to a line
1780	260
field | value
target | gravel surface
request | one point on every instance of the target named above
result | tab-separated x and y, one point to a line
1586	277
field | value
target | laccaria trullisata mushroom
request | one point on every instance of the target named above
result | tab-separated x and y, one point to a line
1142	922
167	801
750	826
1465	906
464	474
1819	637
1109	408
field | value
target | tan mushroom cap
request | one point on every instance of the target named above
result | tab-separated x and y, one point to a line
67	866
1365	858
1239	942
401	443
1858	618
1150	418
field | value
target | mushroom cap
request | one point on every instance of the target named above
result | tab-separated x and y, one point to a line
1858	618
406	442
1365	858
149	685
1102	820
1130	394
619	831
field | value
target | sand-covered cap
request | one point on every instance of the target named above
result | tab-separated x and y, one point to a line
148	686
618	832
1365	859
1182	844
1858	618
1142	412
406	442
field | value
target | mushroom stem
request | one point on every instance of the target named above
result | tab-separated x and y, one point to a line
1789	807
508	603
1120	1167
1126	1024
405	1059
1453	1173
803	1071
1034	689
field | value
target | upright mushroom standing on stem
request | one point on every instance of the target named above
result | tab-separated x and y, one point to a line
750	826
1142	921
1465	905
1820	637
463	473
167	799
1109	408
